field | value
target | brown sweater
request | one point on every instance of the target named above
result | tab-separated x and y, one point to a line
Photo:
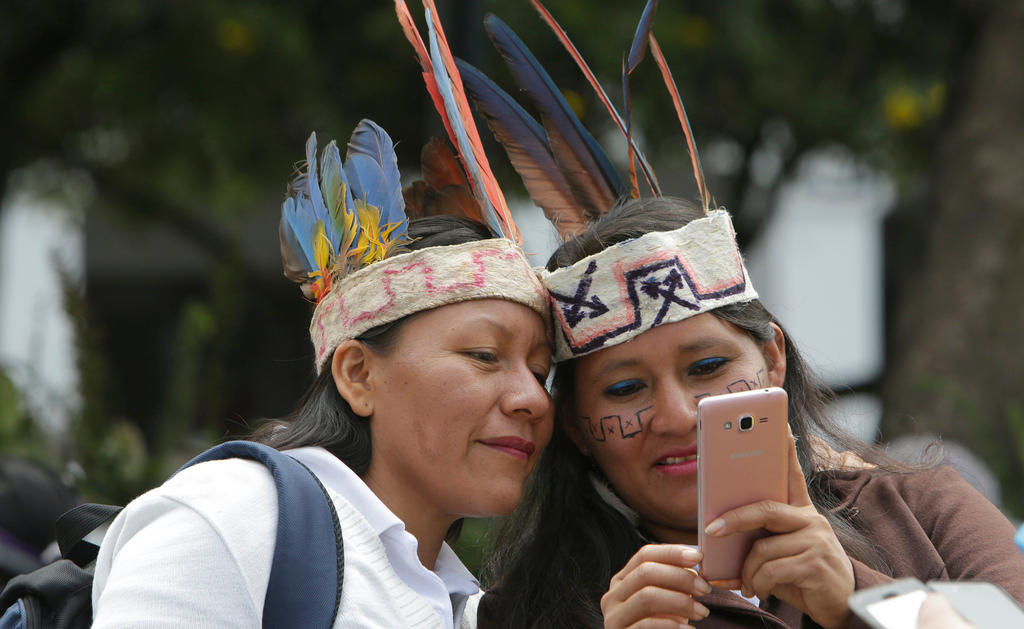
929	525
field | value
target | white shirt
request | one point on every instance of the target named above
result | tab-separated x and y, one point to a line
446	587
197	551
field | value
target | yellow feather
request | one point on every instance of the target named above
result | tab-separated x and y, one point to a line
371	245
322	249
391	244
324	253
347	219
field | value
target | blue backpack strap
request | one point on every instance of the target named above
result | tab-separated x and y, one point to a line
305	579
15	617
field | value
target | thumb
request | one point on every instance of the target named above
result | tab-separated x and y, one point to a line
798	496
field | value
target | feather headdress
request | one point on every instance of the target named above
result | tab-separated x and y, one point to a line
566	172
626	289
344	227
449	97
340	217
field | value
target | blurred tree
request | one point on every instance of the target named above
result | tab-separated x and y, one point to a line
183	116
956	343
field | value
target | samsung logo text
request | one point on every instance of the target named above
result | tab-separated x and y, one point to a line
744	455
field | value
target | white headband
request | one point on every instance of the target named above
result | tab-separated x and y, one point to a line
420	280
661	277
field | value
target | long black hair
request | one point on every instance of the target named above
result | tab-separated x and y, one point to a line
555	555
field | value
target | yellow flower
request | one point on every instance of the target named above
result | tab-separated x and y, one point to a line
903	108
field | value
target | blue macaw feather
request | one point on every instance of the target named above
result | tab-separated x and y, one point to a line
590	174
465	147
298	224
372	170
636	54
337	192
293	259
322	236
563	37
313	182
526	144
639	47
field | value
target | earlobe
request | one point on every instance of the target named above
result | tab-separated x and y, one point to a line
350	368
775	356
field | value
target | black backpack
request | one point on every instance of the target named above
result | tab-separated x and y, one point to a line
305	578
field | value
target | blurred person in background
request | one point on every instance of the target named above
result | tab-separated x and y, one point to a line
32	497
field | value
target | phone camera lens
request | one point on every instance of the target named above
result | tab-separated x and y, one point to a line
746	422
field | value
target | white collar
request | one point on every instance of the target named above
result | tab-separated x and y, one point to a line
340	478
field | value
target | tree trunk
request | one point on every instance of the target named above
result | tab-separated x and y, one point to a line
956	343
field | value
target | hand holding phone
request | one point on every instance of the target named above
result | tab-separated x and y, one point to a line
809	569
741	460
658	583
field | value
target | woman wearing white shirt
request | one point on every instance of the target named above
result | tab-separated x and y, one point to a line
429	406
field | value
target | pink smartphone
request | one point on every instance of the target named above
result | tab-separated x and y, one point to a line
741	458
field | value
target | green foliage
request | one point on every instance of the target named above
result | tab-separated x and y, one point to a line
120	461
476	538
188	117
849	73
999	442
19	435
198	106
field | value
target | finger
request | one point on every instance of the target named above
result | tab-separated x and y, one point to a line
937	613
817	535
685	580
769	549
767	578
798	495
811	550
652	601
768	514
670	554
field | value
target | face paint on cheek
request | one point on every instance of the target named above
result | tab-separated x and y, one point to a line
625	426
742	384
739	385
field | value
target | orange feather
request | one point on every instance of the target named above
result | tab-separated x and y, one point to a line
413	35
492	191
677	102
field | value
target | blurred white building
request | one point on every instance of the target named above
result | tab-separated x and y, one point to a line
39	240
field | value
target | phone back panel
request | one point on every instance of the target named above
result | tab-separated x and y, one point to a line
738	467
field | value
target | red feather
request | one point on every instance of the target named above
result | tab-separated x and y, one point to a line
492	190
413	35
449	191
439	165
698	170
